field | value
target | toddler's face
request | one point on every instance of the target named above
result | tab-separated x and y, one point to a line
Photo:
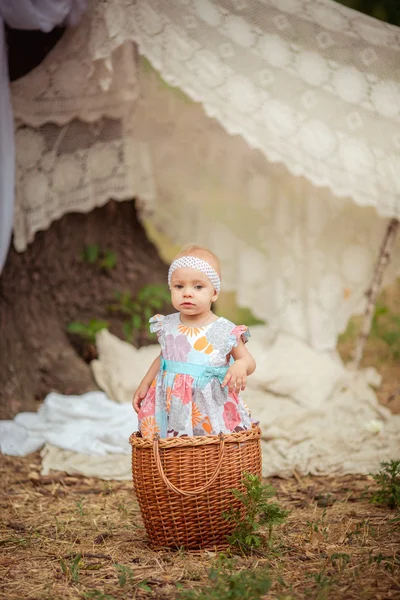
191	291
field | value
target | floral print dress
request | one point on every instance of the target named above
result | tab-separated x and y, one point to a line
180	404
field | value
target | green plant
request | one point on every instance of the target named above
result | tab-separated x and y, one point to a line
350	333
324	500
93	255
87	331
360	527
385	10
389	563
90	253
60	527
388	480
386	326
340	560
318	526
13	541
126	575
79	507
108	491
72	569
142	585
323	584
321	579
229	583
137	311
108	261
122	508
257	511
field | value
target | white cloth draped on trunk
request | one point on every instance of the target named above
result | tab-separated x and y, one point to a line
312	87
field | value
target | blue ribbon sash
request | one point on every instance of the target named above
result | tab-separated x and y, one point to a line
202	373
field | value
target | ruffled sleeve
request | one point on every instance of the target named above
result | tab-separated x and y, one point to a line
156	324
239	332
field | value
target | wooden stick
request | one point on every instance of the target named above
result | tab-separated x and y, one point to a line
384	257
394	395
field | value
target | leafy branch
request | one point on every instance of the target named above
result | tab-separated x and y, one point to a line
257	511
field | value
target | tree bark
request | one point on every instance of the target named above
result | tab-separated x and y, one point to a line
50	285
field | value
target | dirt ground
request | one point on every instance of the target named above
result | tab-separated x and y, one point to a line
65	538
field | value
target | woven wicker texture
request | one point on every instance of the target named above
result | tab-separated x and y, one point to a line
184	484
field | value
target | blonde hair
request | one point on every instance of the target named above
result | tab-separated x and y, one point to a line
202	253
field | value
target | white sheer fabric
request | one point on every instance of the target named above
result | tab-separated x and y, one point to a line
75	168
7	154
41	14
311	83
24	14
76	148
71	84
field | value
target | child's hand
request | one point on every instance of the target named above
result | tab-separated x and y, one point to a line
236	376
139	395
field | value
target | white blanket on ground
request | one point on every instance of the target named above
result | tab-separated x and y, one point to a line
316	416
90	424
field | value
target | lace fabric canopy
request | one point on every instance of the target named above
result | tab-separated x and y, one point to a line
312	84
24	14
282	168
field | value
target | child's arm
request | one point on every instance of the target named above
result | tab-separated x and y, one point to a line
243	366
145	384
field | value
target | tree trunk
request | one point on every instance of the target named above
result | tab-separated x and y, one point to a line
50	285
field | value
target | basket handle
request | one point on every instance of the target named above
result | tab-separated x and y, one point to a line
171	486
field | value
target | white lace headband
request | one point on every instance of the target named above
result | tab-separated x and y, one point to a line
199	265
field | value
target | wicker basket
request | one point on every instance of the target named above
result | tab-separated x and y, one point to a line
184	484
